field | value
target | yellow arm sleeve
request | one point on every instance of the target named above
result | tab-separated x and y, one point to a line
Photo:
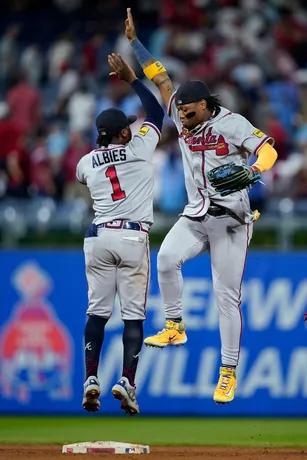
267	156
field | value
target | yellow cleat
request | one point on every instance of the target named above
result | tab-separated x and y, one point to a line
173	334
227	384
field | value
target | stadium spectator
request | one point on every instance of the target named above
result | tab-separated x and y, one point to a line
60	56
12	155
95	57
32	64
8	56
81	109
78	147
41	175
252	53
25	103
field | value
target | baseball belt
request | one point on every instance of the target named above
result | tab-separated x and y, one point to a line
117	225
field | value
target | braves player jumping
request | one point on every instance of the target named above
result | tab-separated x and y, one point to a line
209	136
120	176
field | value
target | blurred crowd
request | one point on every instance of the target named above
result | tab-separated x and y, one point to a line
54	80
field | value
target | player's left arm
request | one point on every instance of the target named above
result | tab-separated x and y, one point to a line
153	69
266	158
144	142
231	177
262	146
243	134
79	175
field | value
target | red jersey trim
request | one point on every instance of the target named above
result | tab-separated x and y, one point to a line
151	125
109	148
169	107
261	144
204	201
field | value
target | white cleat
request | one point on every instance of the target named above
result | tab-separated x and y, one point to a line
91	394
126	394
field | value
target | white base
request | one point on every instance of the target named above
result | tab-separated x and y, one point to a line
105	447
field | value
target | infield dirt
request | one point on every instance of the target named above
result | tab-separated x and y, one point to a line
17	452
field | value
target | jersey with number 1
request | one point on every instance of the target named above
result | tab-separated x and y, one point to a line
120	178
228	137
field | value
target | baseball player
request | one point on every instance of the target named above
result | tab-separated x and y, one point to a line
217	217
119	175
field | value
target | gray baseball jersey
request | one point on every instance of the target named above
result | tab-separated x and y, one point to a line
120	178
227	137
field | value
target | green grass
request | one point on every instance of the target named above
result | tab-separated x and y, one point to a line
154	431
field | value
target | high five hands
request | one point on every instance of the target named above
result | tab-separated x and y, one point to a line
120	68
129	26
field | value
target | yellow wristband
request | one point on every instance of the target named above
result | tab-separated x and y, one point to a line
154	69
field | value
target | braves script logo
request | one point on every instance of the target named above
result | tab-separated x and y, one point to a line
35	348
208	142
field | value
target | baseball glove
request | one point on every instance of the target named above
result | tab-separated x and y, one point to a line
231	178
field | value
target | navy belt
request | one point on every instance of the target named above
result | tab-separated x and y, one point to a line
116	225
214	210
217	211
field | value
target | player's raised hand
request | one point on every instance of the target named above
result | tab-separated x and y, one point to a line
120	68
129	24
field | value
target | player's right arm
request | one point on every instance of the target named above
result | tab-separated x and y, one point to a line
145	141
152	108
152	68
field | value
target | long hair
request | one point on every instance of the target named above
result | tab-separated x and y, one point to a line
103	140
213	103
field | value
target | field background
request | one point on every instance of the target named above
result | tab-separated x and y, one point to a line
253	54
155	431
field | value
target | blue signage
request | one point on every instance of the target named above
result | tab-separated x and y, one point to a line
42	318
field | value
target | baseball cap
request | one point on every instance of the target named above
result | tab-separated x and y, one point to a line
192	91
110	122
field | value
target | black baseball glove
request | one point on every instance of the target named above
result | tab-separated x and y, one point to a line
231	178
